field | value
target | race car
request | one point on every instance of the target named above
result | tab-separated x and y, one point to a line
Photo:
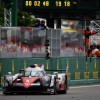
34	79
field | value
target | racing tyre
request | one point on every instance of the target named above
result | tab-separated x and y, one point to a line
54	87
65	85
7	93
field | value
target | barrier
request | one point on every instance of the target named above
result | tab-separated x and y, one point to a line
79	72
18	42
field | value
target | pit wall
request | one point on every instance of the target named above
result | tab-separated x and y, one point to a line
78	71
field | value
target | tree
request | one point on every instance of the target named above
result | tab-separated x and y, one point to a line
25	19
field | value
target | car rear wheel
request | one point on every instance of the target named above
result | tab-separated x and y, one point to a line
54	87
7	93
65	85
64	91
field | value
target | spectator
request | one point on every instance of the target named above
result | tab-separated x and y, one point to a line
87	34
43	26
96	51
40	24
37	24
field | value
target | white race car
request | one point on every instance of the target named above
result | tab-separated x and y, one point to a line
35	79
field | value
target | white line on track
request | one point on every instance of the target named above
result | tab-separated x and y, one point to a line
84	86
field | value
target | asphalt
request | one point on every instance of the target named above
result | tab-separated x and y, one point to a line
87	92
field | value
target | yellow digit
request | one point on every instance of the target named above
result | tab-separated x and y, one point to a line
68	3
47	3
26	3
43	3
30	3
35	3
38	3
58	3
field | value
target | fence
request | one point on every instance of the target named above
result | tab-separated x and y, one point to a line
16	42
95	39
22	46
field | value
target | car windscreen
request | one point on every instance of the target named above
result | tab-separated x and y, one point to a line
33	72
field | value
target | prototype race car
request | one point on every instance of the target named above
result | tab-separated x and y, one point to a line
35	79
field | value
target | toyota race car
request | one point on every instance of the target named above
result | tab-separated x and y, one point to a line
34	79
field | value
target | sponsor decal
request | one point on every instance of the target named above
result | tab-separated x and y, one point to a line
28	81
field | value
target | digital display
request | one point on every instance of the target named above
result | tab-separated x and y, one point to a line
58	4
49	4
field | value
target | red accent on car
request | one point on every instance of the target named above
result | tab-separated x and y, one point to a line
27	81
61	86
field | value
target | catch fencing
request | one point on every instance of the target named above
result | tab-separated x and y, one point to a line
18	42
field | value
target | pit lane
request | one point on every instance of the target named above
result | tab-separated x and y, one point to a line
88	92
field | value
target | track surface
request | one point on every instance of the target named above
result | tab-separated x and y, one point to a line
90	92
